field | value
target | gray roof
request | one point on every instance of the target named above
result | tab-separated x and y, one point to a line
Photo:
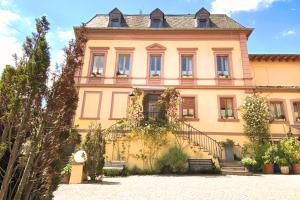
217	21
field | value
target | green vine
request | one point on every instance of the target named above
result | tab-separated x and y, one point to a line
152	133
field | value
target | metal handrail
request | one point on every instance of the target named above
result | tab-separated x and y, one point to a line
199	138
194	136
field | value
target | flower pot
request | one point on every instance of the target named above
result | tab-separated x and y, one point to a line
296	168
285	169
268	169
67	178
249	168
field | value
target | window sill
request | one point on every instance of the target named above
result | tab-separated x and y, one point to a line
228	120
279	122
190	119
122	76
187	77
96	76
155	77
89	118
112	118
224	78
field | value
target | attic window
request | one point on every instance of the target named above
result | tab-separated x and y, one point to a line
115	18
157	18
202	18
115	22
156	23
202	23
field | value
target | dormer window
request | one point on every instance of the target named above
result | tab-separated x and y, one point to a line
115	22
115	18
156	23
202	18
202	23
157	18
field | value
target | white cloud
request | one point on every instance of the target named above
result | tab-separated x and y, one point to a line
231	6
65	36
5	2
288	33
9	43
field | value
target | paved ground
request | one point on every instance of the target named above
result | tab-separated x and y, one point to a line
265	187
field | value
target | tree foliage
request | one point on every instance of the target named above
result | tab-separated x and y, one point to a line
36	119
94	146
256	118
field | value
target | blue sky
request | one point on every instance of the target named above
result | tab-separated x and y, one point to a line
276	22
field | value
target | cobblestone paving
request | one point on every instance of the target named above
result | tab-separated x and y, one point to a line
265	187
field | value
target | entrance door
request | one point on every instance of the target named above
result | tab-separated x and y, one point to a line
229	152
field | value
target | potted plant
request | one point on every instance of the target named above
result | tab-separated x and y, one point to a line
295	156
296	163
66	173
269	158
284	165
249	163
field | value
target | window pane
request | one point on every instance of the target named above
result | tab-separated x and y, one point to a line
158	64
190	68
121	63
127	64
225	64
202	24
152	65
296	109
98	64
226	107
277	111
183	65
188	107
156	23
219	65
101	64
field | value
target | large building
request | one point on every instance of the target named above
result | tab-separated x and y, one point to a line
204	56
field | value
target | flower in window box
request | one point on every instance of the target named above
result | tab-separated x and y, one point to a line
221	74
119	74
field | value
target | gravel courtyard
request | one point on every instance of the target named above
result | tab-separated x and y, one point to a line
265	187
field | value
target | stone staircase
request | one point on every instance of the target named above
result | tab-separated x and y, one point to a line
233	168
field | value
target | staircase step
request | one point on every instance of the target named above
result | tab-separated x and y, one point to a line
231	164
235	172
240	168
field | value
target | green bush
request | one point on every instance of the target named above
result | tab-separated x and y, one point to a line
94	146
259	151
289	150
271	155
249	162
138	171
172	162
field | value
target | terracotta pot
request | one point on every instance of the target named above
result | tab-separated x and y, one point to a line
296	168
285	169
67	178
268	169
